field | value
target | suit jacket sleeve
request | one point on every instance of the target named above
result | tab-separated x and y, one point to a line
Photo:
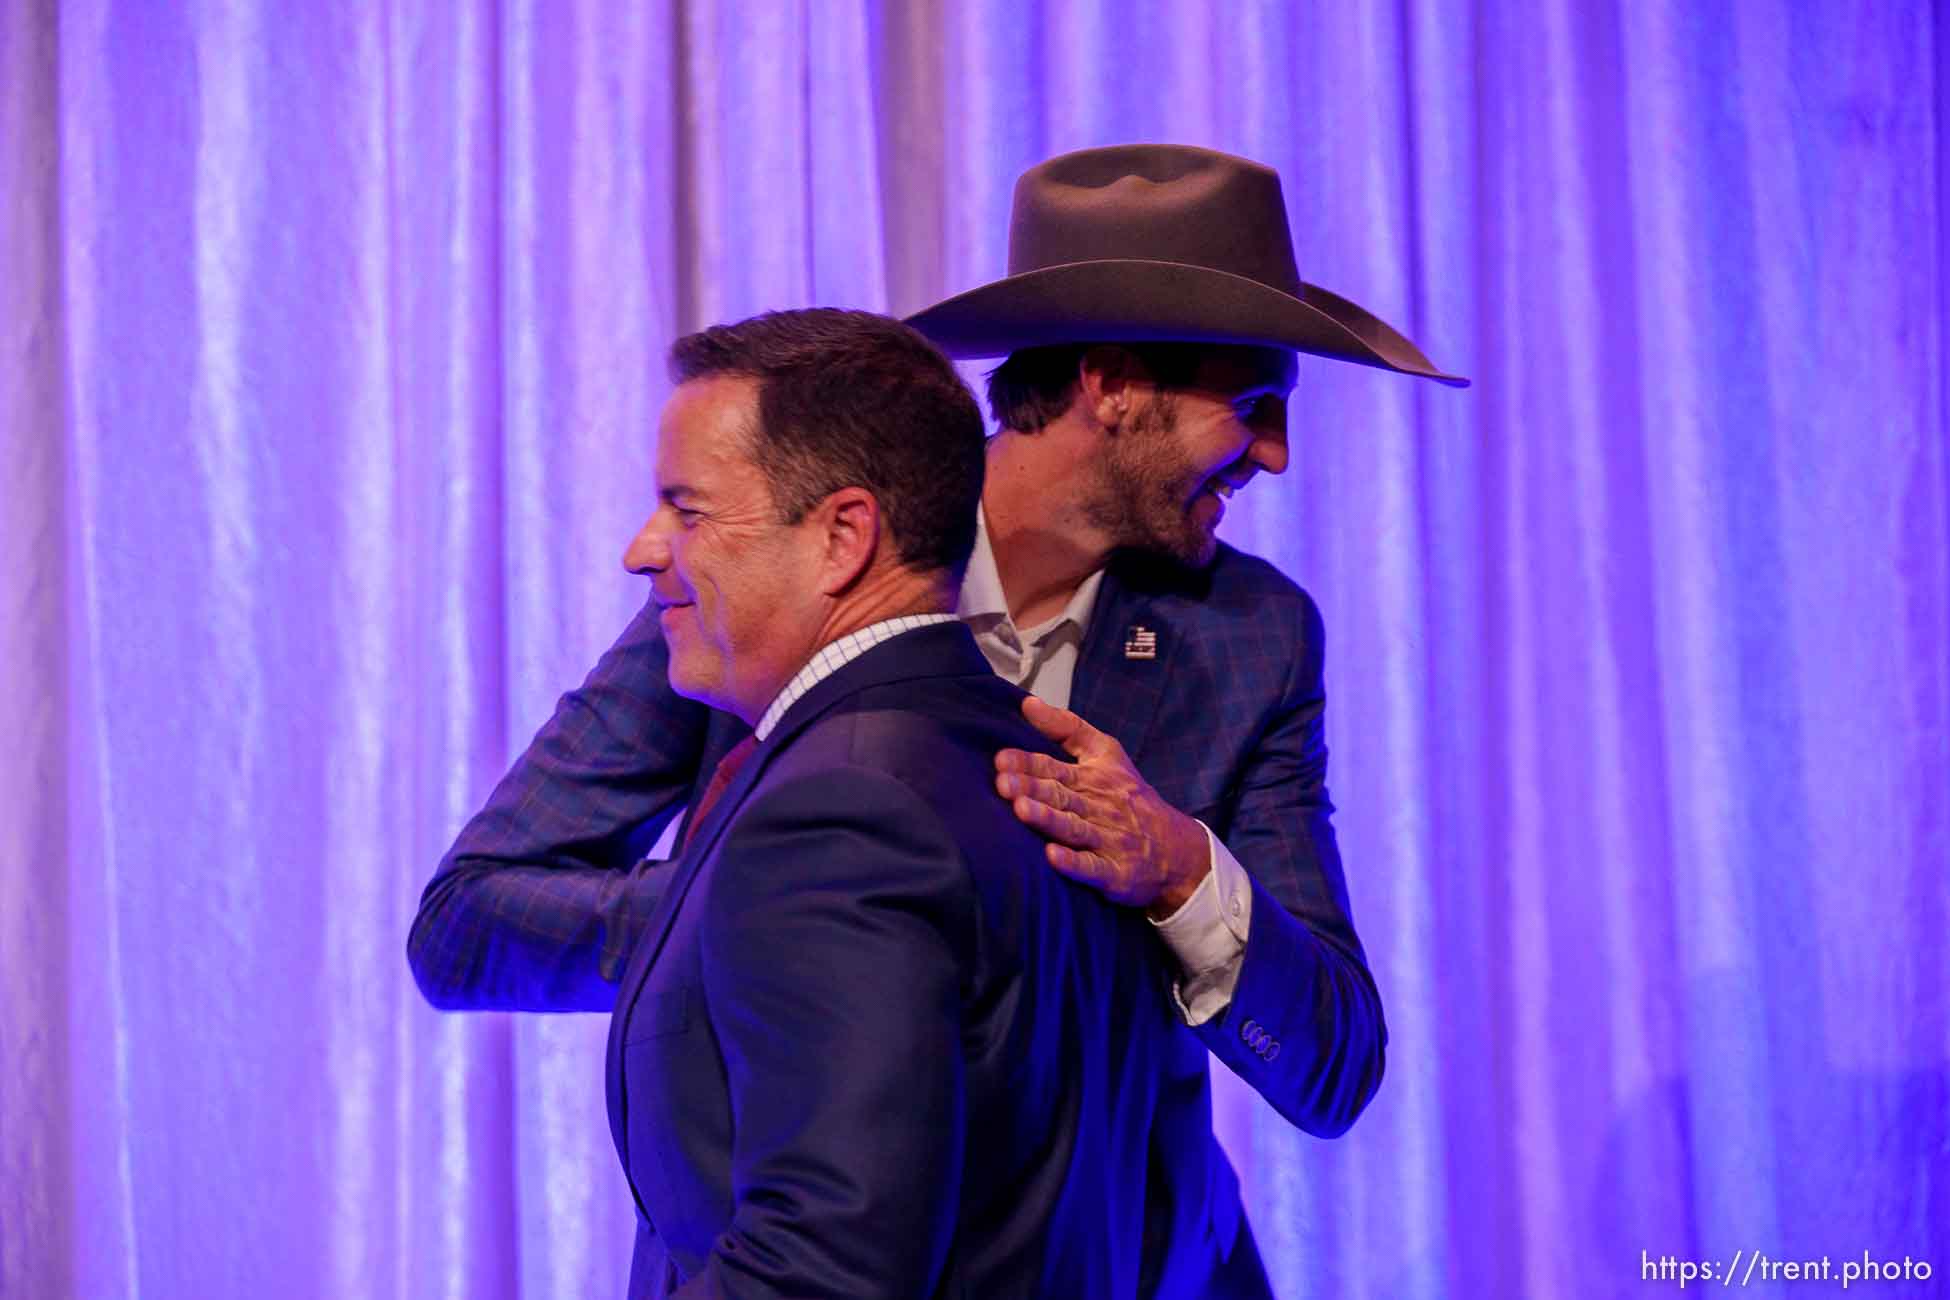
536	906
838	930
1304	1027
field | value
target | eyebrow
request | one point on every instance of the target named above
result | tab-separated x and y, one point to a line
1264	371
1265	368
669	493
1281	376
1254	389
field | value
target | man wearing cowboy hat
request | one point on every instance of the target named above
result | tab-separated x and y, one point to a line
1149	324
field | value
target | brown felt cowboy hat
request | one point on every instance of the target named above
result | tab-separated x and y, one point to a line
1159	242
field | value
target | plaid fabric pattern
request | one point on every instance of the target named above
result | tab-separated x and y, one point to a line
1228	722
536	903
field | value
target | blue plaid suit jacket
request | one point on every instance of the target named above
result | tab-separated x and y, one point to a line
538	904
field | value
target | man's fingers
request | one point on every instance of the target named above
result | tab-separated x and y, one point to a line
1064	828
1036	765
1042	790
1092	869
1078	738
1083	865
1057	724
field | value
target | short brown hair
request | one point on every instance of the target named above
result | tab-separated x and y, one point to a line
852	399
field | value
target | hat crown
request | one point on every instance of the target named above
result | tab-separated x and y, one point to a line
1154	203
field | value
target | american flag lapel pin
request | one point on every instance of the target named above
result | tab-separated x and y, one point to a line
1140	643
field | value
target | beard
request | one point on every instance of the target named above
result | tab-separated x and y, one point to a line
1148	490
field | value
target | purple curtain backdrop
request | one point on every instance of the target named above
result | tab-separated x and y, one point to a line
330	348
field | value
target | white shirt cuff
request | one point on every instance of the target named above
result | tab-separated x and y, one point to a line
1208	936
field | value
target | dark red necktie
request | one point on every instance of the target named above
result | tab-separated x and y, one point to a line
720	778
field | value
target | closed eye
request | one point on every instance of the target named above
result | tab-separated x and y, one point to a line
674	495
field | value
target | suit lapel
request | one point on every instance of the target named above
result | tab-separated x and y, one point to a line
1116	689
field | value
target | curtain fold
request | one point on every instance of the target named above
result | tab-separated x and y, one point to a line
330	357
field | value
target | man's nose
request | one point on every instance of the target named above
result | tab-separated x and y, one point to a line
1269	452
1268	425
648	552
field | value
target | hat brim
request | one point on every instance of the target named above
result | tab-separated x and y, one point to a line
1124	300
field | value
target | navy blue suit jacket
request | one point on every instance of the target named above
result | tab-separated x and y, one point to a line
541	900
869	1044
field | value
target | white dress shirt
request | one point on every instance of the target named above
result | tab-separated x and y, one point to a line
1207	933
835	655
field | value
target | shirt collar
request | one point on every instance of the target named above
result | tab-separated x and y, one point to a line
982	597
1082	601
836	655
981	585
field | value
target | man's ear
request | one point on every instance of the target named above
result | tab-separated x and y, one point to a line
1107	379
851	528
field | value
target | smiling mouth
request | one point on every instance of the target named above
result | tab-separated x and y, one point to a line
1219	489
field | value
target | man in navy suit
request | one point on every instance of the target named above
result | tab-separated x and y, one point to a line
1150	323
868	1045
